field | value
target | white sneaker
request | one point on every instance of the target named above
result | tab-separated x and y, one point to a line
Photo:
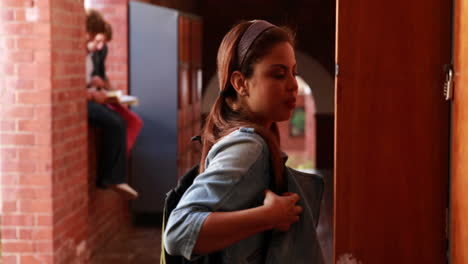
125	190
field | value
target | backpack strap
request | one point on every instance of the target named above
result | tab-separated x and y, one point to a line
163	249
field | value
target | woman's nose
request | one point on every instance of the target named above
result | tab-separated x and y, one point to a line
293	85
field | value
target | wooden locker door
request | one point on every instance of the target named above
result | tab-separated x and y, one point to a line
459	182
391	152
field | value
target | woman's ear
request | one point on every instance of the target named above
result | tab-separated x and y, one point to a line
238	82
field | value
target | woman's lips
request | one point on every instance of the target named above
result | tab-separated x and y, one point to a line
291	103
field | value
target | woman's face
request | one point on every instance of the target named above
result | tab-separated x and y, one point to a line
96	43
100	40
91	46
272	89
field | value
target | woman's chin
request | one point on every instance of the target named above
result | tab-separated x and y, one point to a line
284	117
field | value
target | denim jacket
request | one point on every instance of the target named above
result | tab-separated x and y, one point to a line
236	175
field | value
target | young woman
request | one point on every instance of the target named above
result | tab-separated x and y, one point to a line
240	191
113	142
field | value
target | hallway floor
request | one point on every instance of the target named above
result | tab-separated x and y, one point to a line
138	245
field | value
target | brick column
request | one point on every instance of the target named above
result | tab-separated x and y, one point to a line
43	132
69	131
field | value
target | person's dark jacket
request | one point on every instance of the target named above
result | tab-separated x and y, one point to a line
99	57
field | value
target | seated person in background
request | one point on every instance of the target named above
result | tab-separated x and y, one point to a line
99	80
112	152
98	58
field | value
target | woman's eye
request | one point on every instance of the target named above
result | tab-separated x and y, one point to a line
278	76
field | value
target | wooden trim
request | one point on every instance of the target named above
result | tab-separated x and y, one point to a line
459	179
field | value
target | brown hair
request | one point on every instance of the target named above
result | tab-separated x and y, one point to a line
222	119
95	23
108	31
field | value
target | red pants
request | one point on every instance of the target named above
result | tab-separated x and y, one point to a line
134	123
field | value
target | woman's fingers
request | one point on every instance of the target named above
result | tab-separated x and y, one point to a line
294	197
284	208
297	209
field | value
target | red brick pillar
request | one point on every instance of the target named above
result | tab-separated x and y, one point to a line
43	132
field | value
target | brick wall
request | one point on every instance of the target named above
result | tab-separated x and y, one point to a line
26	138
50	209
108	213
69	131
43	172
